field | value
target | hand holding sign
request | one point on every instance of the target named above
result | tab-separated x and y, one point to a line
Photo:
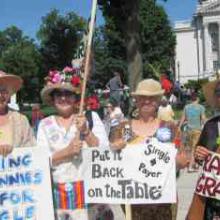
201	153
5	149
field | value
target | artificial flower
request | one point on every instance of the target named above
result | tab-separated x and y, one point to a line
75	80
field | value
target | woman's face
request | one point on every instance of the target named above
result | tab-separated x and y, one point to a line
64	101
147	105
4	97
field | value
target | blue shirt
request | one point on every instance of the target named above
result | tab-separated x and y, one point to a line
194	113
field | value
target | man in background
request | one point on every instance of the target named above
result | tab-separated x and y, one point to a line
115	86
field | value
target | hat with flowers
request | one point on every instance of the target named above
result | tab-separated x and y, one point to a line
67	79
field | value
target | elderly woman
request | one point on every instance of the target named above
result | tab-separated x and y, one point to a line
207	208
148	95
15	130
63	135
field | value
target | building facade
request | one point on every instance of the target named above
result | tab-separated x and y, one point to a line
198	43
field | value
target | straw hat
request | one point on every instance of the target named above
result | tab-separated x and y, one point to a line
148	87
60	80
209	92
12	82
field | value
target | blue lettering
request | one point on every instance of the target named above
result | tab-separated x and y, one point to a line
38	177
26	160
17	215
29	213
3	197
28	196
4	215
15	198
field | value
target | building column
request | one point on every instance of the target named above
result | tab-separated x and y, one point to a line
207	45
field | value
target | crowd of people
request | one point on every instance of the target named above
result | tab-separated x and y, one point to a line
65	133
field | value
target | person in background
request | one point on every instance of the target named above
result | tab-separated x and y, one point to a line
114	115
15	130
194	115
165	111
36	116
203	208
115	86
148	95
63	136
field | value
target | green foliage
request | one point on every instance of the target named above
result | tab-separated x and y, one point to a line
19	55
59	36
157	40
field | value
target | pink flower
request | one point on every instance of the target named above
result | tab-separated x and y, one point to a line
56	78
52	73
68	69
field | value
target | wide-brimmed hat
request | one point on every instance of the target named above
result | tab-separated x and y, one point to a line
148	87
67	79
209	92
12	82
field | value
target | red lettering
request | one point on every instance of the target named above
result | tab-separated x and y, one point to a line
215	165
199	185
206	166
209	186
217	189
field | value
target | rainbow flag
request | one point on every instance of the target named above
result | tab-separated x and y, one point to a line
69	195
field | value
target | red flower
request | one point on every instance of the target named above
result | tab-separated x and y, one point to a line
75	81
93	103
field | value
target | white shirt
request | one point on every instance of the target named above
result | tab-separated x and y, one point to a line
53	137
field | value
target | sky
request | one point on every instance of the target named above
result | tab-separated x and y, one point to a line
27	14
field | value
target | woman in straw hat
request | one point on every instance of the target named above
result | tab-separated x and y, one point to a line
15	130
207	208
148	95
63	135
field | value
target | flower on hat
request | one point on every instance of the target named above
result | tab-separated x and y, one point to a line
67	75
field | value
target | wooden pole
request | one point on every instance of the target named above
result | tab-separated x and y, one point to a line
88	53
128	212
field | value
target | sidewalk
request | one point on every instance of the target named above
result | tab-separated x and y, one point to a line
185	186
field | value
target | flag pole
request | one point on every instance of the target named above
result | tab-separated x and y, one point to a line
128	212
88	54
85	77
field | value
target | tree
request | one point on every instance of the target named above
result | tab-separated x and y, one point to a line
19	55
135	22
59	36
157	38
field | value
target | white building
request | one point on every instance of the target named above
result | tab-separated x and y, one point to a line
198	43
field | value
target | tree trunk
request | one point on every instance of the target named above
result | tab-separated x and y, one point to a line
134	57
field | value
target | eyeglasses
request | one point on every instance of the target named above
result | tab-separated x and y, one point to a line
4	92
66	94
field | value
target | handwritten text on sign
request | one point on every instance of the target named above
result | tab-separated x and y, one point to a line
25	191
208	184
137	174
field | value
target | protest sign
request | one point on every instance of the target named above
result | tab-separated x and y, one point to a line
139	174
208	184
25	186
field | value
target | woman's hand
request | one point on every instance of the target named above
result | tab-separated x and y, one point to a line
182	160
201	153
5	149
118	144
81	124
74	147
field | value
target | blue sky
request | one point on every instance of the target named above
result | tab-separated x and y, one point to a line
27	14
